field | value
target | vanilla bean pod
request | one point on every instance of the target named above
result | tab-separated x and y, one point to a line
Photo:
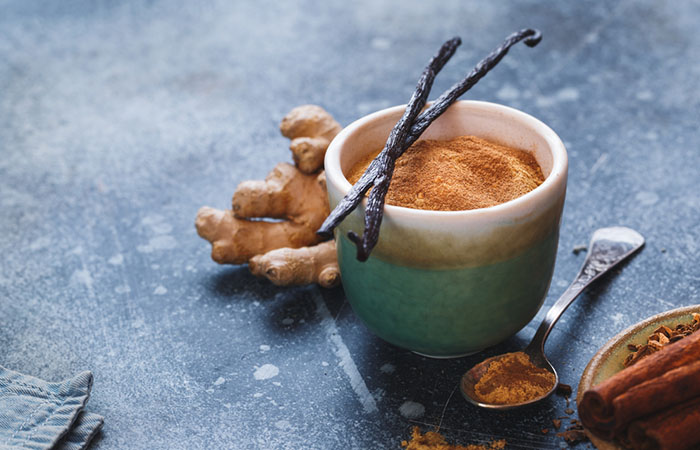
531	38
381	169
375	203
395	140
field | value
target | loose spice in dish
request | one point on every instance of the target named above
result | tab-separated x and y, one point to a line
661	337
463	173
513	379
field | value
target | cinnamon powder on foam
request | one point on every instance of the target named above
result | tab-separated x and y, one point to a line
463	173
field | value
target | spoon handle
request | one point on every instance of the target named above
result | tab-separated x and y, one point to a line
608	247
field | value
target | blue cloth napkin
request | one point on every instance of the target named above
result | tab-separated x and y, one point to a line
35	414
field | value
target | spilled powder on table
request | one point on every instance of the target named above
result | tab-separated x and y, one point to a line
411	410
387	368
433	440
265	372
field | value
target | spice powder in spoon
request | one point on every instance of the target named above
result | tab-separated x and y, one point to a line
513	379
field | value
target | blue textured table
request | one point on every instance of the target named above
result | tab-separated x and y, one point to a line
118	120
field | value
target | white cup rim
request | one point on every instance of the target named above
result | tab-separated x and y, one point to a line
334	173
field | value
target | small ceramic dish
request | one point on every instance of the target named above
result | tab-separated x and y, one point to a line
451	283
609	359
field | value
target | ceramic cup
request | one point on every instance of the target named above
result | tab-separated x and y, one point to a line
451	283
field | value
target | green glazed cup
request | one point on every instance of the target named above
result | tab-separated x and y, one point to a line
451	283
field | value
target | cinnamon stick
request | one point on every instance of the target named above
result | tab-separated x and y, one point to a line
597	408
657	394
677	428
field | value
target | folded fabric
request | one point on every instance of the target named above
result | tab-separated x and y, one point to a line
35	414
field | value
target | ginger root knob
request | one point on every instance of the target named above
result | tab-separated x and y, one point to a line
272	223
311	128
287	193
293	266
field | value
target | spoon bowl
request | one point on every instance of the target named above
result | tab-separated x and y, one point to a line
608	247
473	375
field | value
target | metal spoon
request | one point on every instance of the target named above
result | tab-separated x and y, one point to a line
608	247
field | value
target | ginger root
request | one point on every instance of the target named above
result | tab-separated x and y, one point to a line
293	266
287	194
285	251
311	128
